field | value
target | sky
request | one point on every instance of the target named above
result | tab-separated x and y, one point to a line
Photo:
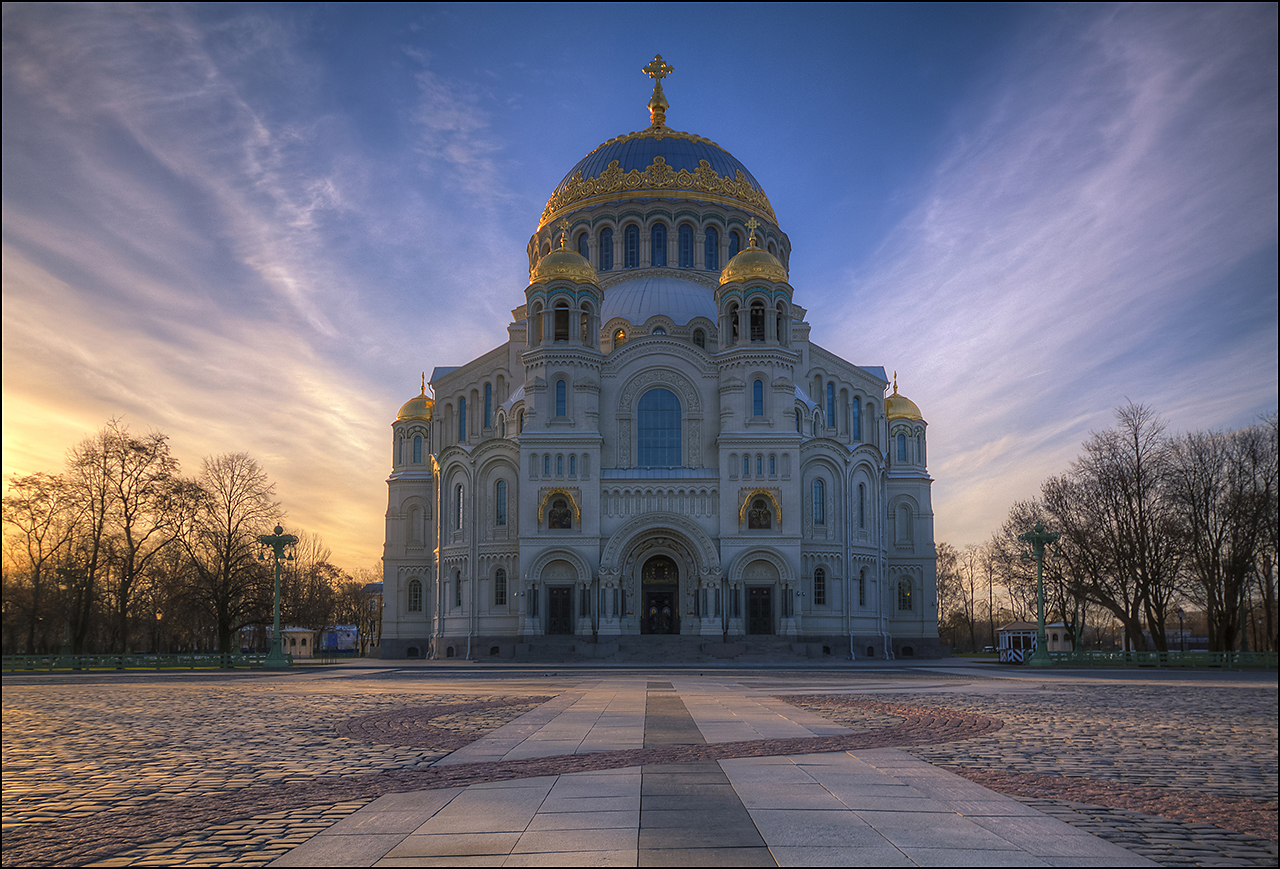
252	227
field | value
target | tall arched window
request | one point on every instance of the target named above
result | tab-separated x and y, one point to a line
417	449
462	420
457	507
819	587
560	466
700	338
631	247
658	429
799	422
500	587
457	588
904	594
904	523
658	245
733	324
535	320
500	503
502	426
735	244
746	466
757	398
819	503
584	247
855	424
711	249
546	466
561	391
831	404
757	322
619	338
415	596
561	322
862	505
781	329
488	405
862	587
902	448
573	465
520	423
686	246
606	249
773	465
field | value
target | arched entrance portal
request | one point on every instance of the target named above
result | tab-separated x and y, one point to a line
660	590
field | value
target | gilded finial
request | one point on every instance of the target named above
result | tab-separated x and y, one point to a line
895	383
564	232
424	383
752	224
658	69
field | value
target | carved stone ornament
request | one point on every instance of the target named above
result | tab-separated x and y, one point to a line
660	376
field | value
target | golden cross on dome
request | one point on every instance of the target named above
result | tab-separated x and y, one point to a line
564	232
658	69
751	227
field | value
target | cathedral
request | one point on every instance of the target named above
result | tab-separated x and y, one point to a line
658	447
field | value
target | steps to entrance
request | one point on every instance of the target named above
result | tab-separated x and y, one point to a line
661	649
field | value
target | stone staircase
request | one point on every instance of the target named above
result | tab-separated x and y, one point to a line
663	649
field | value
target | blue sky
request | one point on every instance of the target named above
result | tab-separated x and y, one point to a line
251	227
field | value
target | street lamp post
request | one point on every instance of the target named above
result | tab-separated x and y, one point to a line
1039	539
277	543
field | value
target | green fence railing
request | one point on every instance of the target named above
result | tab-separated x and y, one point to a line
1220	660
214	660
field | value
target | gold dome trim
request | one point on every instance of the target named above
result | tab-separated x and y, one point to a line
754	262
418	407
563	263
899	406
657	179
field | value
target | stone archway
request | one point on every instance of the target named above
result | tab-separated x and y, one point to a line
681	548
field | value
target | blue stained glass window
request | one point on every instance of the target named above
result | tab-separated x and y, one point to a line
902	448
488	405
746	466
658	245
500	503
573	465
631	247
658	429
856	423
584	247
559	466
819	503
831	404
711	249
560	398
462	420
773	465
546	466
735	244
686	246
417	449
757	398
606	249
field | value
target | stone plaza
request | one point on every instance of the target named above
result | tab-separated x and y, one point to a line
410	763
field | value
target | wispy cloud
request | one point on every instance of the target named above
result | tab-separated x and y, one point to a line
1070	238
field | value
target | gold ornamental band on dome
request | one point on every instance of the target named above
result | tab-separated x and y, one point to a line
547	496
659	180
771	494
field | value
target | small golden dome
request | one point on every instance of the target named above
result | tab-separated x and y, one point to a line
754	262
563	263
899	406
418	407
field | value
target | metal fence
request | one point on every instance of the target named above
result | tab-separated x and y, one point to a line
51	663
1221	660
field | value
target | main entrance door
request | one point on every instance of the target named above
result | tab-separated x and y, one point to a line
559	610
659	580
760	610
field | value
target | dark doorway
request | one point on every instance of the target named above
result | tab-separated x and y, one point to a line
760	610
660	615
559	610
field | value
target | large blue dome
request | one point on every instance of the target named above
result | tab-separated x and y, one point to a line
658	163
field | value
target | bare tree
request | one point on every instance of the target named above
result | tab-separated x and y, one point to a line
40	514
238	503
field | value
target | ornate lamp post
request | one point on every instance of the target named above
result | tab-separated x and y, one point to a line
277	543
1039	539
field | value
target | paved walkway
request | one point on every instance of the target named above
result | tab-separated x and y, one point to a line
880	807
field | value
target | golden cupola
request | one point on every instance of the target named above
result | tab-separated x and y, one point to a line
899	406
754	262
418	407
563	263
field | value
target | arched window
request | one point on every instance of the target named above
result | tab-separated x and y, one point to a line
584	332
759	465
735	244
686	246
462	420
904	523
502	426
488	405
757	398
700	338
862	587
659	330
457	507
904	594
782	330
584	247
658	245
606	249
520	423
417	449
658	429
831	404
415	596
799	422
561	322
500	503
619	338
536	322
759	517
559	466
757	322
902	448
711	249
560	397
855	424
819	503
746	466
559	516
631	247
733	324
862	505
573	465
457	588
546	466
819	587
773	465
500	587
